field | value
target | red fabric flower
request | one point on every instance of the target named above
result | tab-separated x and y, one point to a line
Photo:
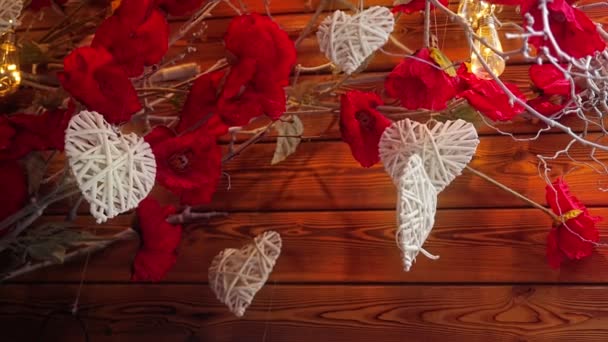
37	5
189	165
14	188
547	105
415	6
362	125
180	7
562	241
554	89
21	134
159	241
92	77
574	32
487	97
201	106
549	79
420	83
136	35
262	57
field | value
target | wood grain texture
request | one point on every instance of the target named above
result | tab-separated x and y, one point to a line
323	175
489	246
340	276
304	313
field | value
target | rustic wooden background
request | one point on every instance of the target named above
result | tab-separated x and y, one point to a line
339	277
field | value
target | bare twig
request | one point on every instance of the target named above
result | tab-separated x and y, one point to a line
127	234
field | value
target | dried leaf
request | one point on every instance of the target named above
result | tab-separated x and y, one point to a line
443	61
47	251
290	130
35	166
34	53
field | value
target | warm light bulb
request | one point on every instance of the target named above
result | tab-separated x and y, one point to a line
487	31
10	75
468	9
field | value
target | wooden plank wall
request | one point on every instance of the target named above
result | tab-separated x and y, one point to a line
339	277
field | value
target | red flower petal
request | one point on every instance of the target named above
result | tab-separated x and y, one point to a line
549	79
262	59
134	44
576	236
159	242
201	105
545	105
91	77
187	164
419	83
574	32
487	96
362	125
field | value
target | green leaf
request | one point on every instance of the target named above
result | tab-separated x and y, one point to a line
290	130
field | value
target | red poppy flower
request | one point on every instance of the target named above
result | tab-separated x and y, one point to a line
37	5
419	83
549	79
487	97
413	6
159	241
201	106
92	77
554	89
180	7
562	241
362	125
262	57
574	32
14	188
547	105
189	165
22	133
136	36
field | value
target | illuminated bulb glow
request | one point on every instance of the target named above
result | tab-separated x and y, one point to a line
487	31
10	75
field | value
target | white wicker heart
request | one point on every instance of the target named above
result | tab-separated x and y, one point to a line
416	207
349	40
445	148
114	171
236	275
10	10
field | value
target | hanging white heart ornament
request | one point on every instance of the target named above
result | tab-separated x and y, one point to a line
349	40
416	208
445	148
114	171
236	275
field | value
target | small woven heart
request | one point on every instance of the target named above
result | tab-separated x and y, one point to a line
349	40
236	275
416	208
445	148
10	10
114	171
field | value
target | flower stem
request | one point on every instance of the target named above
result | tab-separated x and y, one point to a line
536	205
